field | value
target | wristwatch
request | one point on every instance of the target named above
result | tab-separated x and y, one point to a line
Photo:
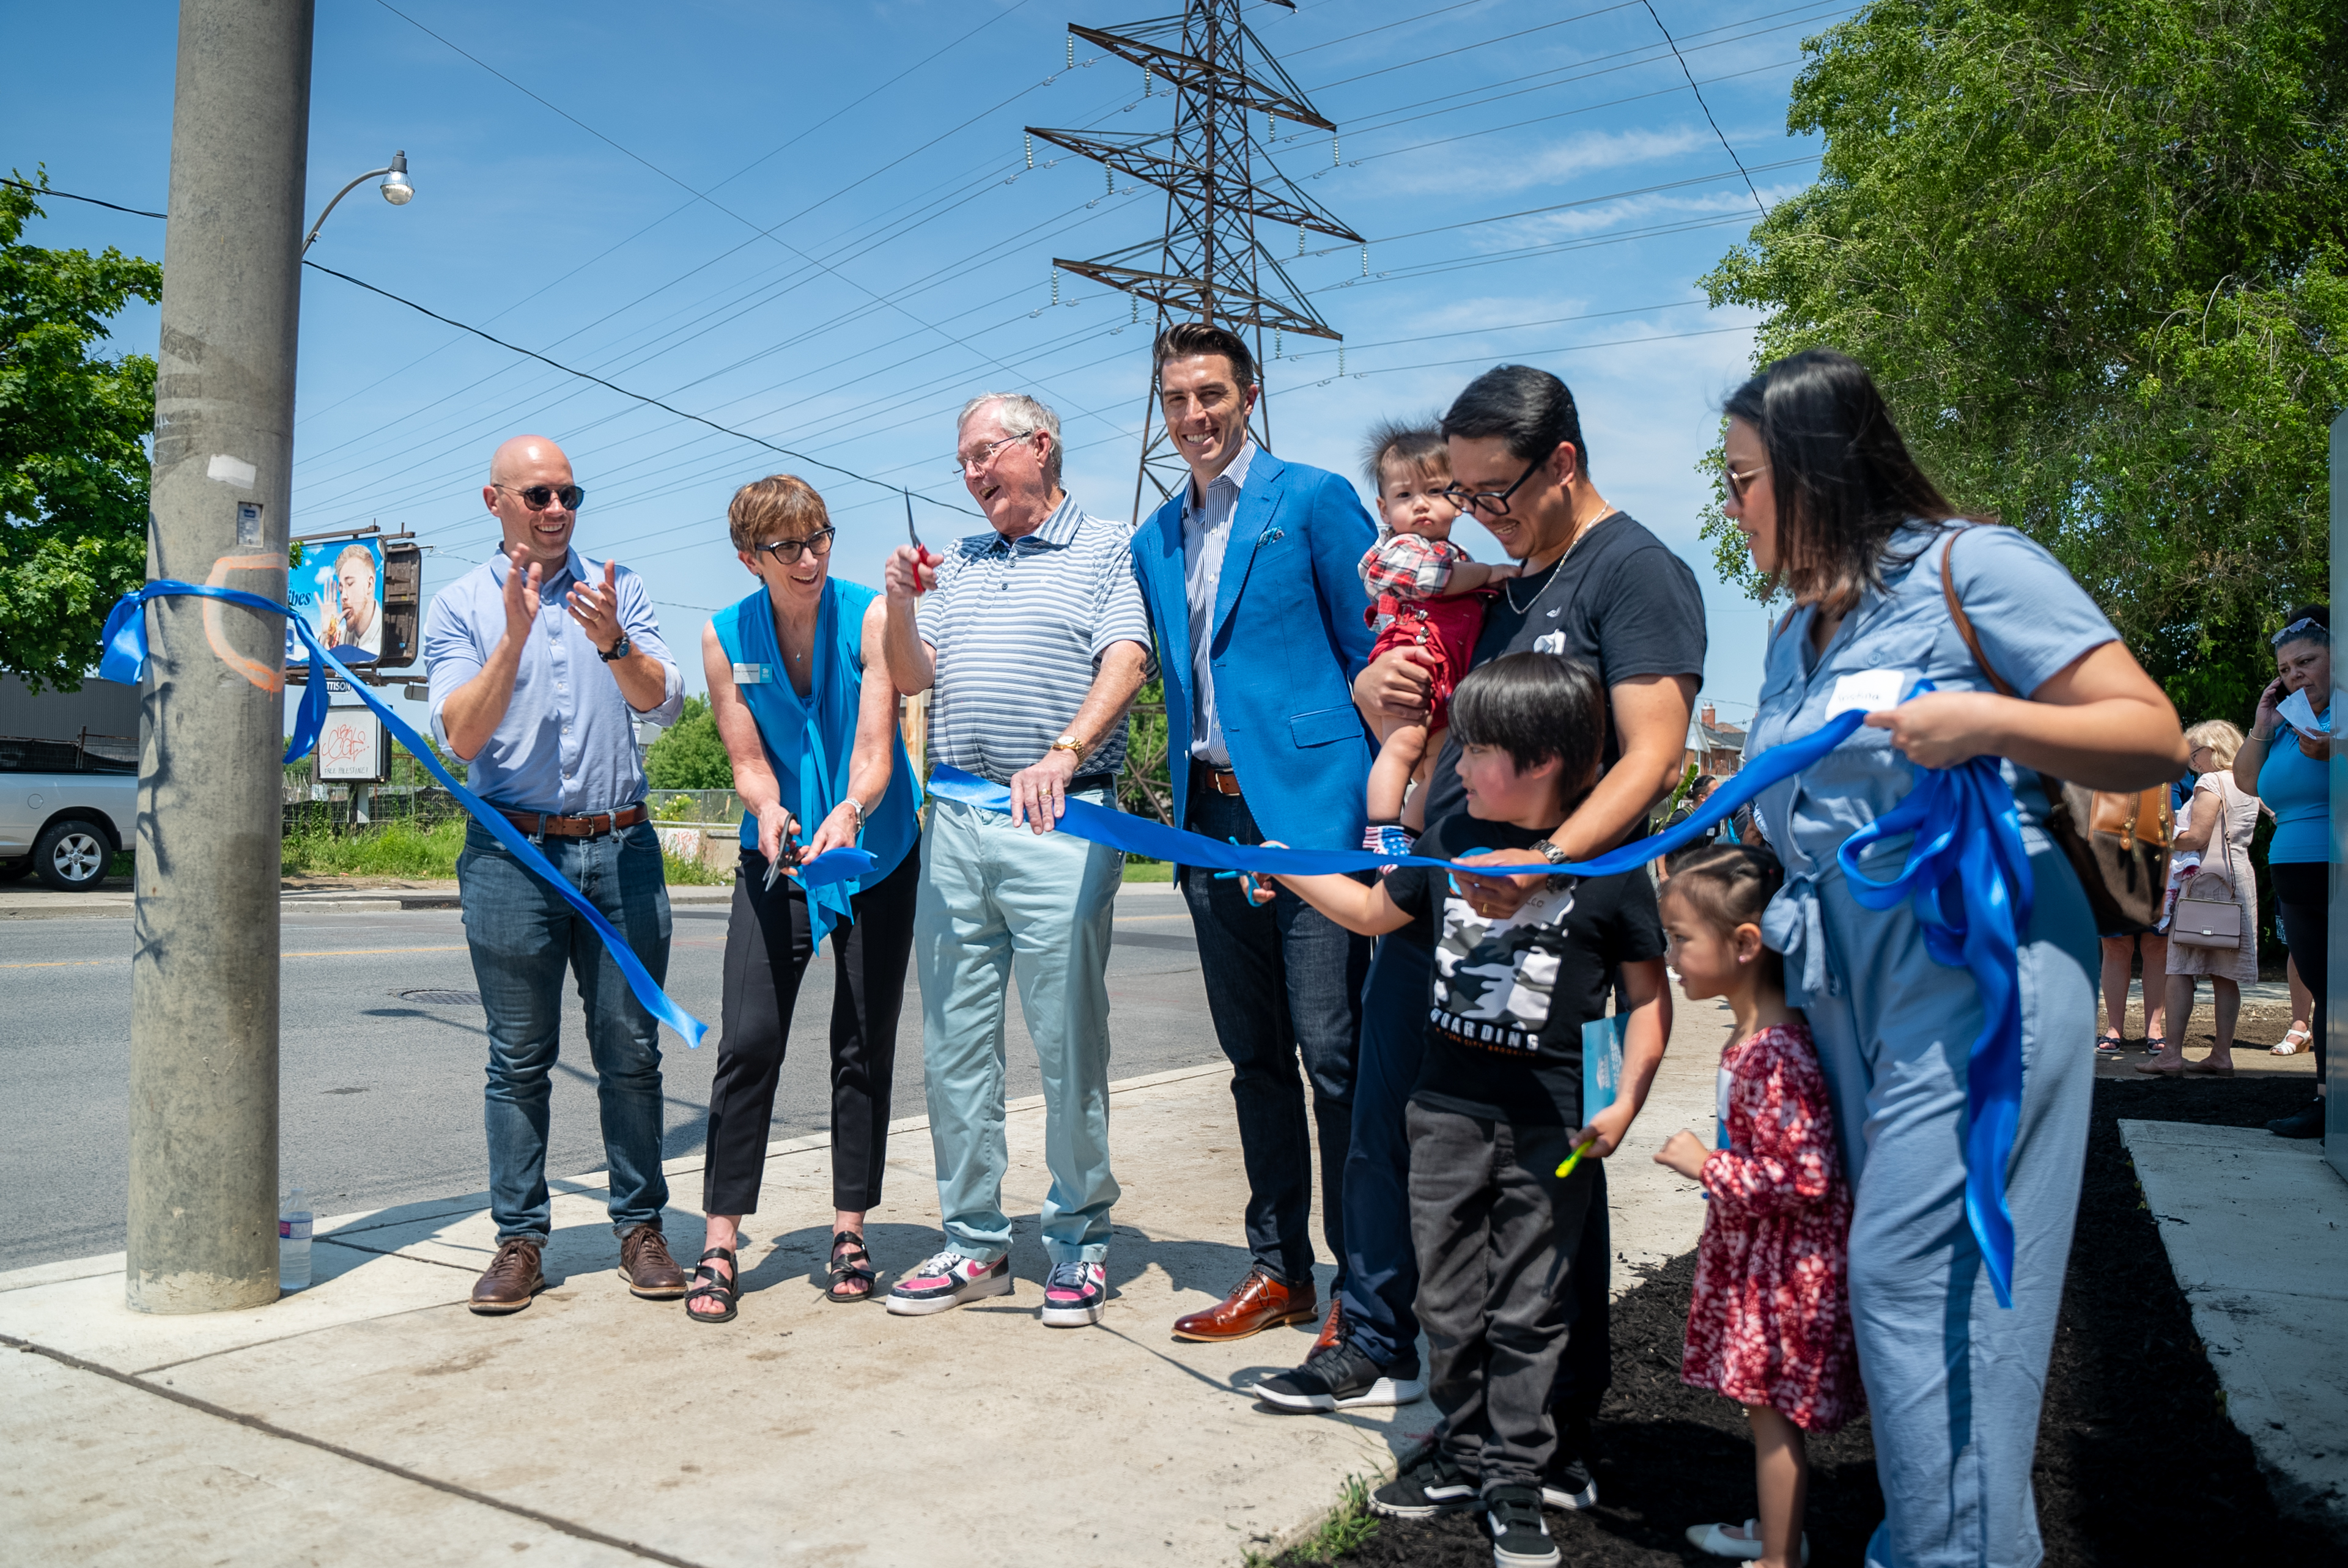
619	649
1068	743
1555	856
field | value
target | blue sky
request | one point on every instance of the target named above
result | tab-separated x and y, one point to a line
816	224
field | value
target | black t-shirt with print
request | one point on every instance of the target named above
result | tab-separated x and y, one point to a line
1510	997
1619	600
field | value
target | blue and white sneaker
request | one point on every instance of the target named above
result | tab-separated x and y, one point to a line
946	1280
1073	1294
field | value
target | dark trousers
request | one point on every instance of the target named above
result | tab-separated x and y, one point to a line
2302	897
1283	986
768	945
1497	1231
1380	1287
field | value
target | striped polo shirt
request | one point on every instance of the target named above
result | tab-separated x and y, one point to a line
1019	626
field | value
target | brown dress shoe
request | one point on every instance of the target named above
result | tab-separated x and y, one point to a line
510	1281
1259	1301
646	1265
1331	1332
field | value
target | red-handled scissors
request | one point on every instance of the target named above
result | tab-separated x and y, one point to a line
922	556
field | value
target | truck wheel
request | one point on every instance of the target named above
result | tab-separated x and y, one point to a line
16	869
71	857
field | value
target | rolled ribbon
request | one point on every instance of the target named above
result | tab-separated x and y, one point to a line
124	659
1968	878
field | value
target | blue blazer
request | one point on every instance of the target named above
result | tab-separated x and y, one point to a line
1288	641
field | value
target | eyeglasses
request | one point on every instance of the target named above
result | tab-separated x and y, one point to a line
1491	503
984	455
537	497
1739	483
787	551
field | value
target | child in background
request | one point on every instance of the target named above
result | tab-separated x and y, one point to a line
1426	593
1770	1326
1497	1105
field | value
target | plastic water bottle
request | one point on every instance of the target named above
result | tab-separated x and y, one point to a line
293	1240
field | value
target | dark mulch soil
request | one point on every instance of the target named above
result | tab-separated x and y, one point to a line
2137	1463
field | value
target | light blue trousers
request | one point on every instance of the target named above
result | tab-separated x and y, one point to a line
998	901
1953	1380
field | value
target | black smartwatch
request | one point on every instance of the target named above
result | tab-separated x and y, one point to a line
619	649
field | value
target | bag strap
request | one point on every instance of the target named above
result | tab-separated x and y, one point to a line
1964	622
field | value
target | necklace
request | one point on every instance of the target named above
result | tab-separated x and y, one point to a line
1508	588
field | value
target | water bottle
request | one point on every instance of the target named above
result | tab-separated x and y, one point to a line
294	1242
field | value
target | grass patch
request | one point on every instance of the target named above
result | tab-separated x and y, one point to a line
397	849
1139	870
692	872
1349	1524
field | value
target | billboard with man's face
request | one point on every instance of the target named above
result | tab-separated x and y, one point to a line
360	597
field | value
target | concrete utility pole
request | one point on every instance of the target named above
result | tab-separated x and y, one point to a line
203	997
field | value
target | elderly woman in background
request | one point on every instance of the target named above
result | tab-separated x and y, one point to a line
2287	763
2217	829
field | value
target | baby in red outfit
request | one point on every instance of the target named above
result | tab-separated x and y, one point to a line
1425	592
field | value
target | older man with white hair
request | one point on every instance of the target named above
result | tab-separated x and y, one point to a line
1031	638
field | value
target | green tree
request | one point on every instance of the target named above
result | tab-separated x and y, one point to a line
690	754
74	428
2096	256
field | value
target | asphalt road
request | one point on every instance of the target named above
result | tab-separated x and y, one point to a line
382	1090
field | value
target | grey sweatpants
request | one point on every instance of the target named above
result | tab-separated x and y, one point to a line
1496	1232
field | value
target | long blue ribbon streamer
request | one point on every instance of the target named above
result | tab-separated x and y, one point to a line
124	659
1968	878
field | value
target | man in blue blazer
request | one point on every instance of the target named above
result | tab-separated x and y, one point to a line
1250	577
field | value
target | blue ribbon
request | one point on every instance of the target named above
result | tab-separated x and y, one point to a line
125	660
1968	880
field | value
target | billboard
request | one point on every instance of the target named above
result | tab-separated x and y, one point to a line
360	595
353	747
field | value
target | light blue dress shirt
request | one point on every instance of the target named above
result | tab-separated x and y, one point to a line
1206	535
566	744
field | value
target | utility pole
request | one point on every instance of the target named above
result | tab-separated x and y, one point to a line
1209	265
204	993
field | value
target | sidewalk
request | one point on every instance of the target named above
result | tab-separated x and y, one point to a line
371	1419
2254	1226
112	900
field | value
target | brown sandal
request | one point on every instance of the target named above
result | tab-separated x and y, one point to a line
850	1265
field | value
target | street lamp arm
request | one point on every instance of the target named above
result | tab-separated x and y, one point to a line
311	237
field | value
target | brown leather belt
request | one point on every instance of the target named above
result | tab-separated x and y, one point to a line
1206	775
538	825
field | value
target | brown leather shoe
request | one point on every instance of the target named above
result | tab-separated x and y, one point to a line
646	1265
1259	1301
510	1281
1333	1332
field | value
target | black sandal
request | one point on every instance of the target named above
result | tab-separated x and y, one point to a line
725	1288
851	1264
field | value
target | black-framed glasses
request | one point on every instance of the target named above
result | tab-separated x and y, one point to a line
1490	503
537	497
965	461
1738	483
787	551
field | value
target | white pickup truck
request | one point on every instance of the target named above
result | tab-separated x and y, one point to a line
65	812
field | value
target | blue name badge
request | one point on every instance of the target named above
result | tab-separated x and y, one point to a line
1602	1062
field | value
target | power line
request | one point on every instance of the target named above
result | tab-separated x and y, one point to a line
94	201
1707	107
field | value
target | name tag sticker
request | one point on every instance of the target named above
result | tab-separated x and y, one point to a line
1867	692
751	674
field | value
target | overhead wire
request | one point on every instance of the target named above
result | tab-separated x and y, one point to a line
1707	107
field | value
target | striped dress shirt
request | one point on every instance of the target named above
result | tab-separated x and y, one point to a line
1018	626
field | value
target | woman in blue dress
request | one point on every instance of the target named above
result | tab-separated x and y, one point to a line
802	700
1836	512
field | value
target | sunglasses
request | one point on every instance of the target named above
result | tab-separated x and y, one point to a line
1739	483
787	551
538	496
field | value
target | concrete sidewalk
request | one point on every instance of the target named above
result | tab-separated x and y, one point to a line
371	1419
112	900
2256	1227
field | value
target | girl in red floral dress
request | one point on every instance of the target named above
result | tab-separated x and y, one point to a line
1770	1326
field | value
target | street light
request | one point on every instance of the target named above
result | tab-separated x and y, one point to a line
396	190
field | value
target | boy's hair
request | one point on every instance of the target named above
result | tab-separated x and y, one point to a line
1536	706
782	501
1728	886
1417	448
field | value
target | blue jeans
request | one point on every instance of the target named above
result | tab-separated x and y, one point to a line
997	900
523	936
1283	987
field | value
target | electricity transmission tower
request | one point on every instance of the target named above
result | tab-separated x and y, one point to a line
1210	264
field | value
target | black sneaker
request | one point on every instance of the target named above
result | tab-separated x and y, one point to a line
1339	1378
1568	1483
1519	1537
2305	1122
1433	1485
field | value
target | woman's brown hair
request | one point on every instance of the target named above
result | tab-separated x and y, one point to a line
780	504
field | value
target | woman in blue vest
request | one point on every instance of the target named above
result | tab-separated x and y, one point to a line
802	700
2286	760
1837	512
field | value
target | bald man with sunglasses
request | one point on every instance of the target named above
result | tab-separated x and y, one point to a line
540	662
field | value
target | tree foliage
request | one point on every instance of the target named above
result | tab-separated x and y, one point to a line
690	754
2096	256
74	430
